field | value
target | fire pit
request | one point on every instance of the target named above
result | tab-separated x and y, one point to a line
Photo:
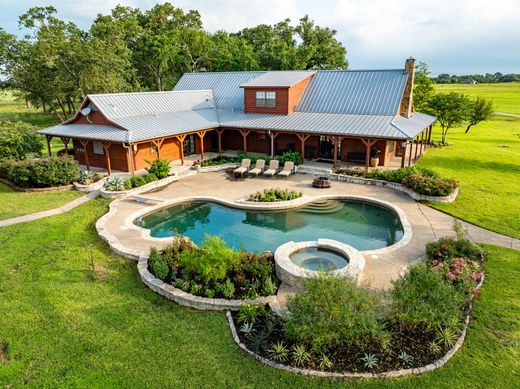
321	182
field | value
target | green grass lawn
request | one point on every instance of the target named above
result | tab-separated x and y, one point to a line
506	96
21	203
486	162
65	327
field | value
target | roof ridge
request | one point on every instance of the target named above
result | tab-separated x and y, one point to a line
151	92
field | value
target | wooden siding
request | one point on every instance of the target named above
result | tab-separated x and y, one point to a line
117	156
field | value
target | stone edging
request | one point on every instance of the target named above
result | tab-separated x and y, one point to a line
90	188
17	188
189	300
144	188
396	186
216	168
387	374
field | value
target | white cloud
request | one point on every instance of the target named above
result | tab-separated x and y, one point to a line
451	36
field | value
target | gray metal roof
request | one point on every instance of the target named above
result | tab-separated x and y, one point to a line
225	86
88	131
279	78
413	125
376	92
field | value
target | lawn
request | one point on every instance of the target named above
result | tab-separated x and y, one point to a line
506	96
21	203
486	162
64	326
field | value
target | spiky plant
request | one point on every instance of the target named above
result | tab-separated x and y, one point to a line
279	352
300	355
247	329
325	362
370	360
446	336
434	347
406	358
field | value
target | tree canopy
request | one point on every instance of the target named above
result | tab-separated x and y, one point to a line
451	109
56	64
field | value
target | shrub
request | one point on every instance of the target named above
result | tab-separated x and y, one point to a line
250	313
430	186
447	248
331	312
18	140
462	273
270	195
42	173
115	184
136	181
212	261
158	264
293	156
159	167
227	289
6	166
422	298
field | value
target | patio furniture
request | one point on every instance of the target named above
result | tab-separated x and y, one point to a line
321	182
287	170
244	167
273	168
259	168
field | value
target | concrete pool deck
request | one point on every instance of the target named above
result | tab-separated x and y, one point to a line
426	224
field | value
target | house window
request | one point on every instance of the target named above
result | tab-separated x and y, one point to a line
265	99
97	148
80	150
154	148
392	146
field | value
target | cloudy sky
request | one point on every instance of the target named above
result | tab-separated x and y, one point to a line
452	36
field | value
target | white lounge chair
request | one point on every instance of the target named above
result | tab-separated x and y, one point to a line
259	167
287	170
244	167
273	168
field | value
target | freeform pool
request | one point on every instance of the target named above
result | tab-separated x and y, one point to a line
361	224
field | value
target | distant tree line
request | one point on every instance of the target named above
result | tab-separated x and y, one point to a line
57	64
487	78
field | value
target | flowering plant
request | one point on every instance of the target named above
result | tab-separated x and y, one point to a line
462	273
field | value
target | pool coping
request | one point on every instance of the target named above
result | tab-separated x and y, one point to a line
145	234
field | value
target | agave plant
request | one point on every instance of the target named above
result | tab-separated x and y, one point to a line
434	347
406	358
370	360
87	177
115	184
446	336
300	355
247	329
325	362
279	352
257	343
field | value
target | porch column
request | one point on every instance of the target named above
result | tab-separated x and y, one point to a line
416	147
158	143
368	143
410	157
403	156
430	134
181	138
219	133
273	136
201	137
130	158
65	141
49	138
303	138
106	149
422	142
84	144
335	141
245	133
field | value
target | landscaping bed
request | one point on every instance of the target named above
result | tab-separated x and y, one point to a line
270	195
293	156
334	325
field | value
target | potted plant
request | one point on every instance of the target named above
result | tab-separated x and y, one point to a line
374	157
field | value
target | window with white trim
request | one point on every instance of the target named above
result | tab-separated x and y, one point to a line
265	99
97	148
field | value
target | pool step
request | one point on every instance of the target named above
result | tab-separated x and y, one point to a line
323	206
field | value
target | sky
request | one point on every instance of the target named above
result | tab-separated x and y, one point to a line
451	36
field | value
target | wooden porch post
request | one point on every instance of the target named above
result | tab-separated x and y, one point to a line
106	148
430	134
219	133
245	133
416	147
181	138
49	138
335	141
130	162
201	137
410	157
368	143
84	144
403	157
273	136
158	143
422	142
65	141
303	138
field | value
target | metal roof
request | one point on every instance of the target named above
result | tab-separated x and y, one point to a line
279	78
224	85
88	131
376	92
413	125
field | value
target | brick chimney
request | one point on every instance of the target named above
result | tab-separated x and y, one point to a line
406	107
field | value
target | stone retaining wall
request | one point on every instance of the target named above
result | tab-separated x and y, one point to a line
134	191
90	188
217	168
388	374
189	300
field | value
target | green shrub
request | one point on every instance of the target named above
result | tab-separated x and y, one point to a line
250	313
447	248
150	177
270	195
293	156
136	181
18	140
158	264
463	273
212	261
331	312
422	298
159	167
116	184
42	173
227	289
6	165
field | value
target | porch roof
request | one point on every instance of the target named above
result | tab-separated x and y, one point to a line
88	131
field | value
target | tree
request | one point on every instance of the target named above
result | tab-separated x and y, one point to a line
423	87
18	139
451	109
480	110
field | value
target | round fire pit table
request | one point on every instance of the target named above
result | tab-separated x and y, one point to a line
321	182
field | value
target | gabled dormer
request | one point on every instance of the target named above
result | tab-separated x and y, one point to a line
277	92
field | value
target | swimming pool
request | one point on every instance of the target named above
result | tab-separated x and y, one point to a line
361	224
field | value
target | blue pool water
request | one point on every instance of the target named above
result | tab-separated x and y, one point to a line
363	225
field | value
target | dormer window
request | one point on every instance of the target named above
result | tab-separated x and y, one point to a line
265	99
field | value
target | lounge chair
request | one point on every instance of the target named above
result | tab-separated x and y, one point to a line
287	169
273	168
259	167
244	167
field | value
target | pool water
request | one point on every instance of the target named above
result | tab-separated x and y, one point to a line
318	259
363	225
